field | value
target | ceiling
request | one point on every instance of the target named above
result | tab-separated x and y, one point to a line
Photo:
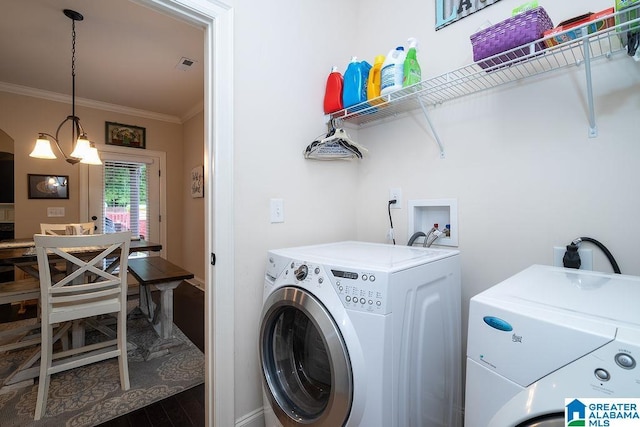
126	54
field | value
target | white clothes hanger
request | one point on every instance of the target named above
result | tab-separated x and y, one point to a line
335	145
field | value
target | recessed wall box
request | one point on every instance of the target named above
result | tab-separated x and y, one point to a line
423	214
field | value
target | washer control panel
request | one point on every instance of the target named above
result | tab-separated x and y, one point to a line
624	361
357	290
612	370
360	290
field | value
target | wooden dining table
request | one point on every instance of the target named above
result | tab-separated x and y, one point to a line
21	253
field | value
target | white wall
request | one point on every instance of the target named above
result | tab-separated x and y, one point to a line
284	51
518	159
512	155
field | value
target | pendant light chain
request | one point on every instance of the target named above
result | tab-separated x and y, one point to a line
83	151
73	75
73	48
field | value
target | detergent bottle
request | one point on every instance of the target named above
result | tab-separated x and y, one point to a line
333	92
373	82
355	82
411	72
392	71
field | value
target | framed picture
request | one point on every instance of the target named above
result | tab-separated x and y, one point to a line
450	11
197	182
124	135
48	186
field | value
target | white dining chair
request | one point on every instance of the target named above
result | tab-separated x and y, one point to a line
85	291
66	229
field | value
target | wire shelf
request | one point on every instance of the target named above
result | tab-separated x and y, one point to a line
471	79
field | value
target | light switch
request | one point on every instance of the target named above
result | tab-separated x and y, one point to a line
55	212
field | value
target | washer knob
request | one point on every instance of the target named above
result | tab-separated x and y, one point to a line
602	374
625	361
301	272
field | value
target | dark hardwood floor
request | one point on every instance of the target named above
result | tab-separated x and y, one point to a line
186	408
183	409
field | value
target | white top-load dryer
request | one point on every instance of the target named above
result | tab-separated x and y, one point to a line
361	334
547	334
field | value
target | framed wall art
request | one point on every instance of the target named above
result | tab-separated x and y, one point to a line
197	182
450	11
48	186
125	135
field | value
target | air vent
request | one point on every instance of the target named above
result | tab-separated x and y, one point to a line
185	64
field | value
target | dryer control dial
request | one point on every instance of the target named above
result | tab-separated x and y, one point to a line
301	272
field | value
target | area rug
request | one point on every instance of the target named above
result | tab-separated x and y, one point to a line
91	395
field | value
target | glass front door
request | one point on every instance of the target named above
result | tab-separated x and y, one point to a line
124	194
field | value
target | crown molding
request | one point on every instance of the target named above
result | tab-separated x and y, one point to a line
58	97
193	111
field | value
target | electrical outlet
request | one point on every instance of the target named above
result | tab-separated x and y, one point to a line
55	212
277	210
586	257
396	194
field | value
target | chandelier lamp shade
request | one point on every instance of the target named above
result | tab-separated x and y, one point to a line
84	150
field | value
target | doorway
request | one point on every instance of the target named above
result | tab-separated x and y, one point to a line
216	19
7	198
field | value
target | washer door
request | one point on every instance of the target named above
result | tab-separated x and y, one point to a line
305	364
552	420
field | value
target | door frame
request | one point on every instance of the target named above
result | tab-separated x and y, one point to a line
125	152
216	18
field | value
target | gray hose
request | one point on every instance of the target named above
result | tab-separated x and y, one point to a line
415	237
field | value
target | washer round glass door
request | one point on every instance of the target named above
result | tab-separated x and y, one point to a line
552	420
305	363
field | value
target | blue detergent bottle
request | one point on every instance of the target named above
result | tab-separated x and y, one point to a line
355	82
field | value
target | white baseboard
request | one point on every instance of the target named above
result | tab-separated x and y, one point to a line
252	419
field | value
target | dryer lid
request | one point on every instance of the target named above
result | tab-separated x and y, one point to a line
546	317
612	298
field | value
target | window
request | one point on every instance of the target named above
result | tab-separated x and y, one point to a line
125	193
125	198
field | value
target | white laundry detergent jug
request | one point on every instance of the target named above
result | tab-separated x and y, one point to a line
392	71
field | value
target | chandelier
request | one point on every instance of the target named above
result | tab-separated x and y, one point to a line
84	151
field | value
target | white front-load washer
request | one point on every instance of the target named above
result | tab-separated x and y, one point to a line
361	334
548	334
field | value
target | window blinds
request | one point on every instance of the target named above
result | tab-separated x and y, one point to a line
125	198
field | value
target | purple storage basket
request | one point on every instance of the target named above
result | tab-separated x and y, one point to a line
511	33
